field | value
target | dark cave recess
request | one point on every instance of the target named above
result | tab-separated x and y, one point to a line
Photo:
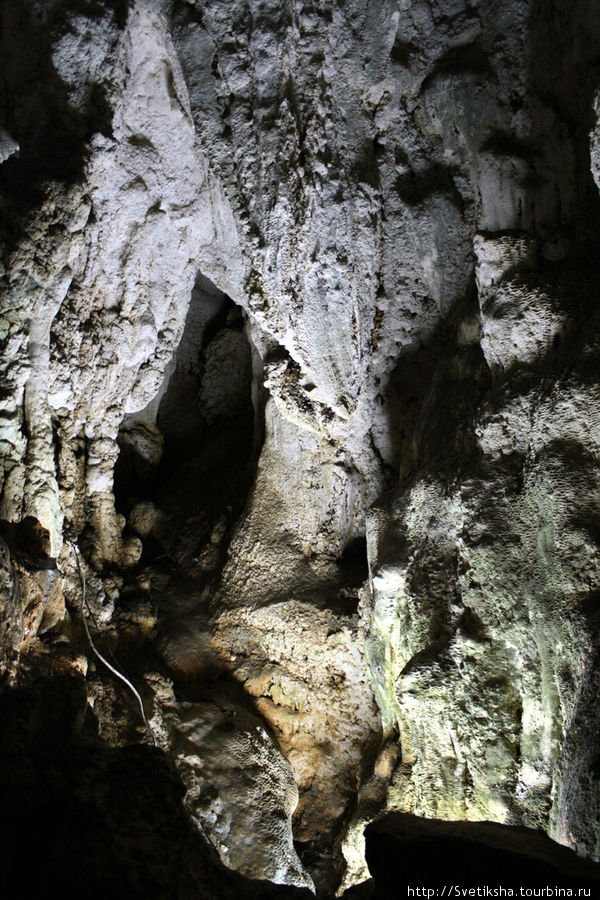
186	462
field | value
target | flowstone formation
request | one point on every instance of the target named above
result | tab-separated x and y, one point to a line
300	346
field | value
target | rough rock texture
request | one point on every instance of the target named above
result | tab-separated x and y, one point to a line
276	277
239	787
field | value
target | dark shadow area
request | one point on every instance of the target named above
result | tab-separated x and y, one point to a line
579	778
353	566
405	850
402	51
207	418
462	60
36	111
431	396
564	72
413	188
187	462
355	553
436	387
82	819
58	10
590	604
339	590
28	540
435	392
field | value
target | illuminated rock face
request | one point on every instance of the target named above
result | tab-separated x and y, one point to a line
276	277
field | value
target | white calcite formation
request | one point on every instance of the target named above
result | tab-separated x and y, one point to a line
276	278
